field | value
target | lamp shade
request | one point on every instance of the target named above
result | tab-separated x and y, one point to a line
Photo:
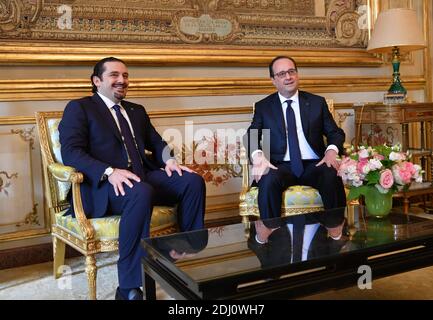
396	28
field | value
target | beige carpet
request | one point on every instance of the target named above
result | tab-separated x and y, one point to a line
36	281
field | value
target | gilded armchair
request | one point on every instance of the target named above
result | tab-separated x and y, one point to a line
88	236
297	199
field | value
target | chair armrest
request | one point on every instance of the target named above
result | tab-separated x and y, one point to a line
245	173
62	172
69	174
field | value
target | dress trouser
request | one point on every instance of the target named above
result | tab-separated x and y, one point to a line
323	178
188	191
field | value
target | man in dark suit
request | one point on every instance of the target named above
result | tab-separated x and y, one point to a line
293	124
105	138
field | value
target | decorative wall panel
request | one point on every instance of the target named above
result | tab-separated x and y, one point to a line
313	25
247	23
22	211
211	147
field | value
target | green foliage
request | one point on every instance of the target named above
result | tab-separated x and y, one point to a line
372	177
355	193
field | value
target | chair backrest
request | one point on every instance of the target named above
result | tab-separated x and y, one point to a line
56	191
330	103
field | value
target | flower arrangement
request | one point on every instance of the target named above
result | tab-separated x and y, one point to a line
383	167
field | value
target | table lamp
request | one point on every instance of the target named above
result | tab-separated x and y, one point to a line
396	30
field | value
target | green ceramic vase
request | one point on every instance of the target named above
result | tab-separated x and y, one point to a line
378	204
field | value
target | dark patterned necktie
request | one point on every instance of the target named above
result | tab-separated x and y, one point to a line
134	156
292	136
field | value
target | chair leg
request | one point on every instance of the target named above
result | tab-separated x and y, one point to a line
91	271
246	223
58	256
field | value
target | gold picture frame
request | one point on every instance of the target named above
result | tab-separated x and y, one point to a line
187	32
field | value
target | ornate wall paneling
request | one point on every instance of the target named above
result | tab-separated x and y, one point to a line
64	89
22	210
209	140
207	32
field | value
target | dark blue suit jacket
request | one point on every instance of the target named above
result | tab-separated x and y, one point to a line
91	141
316	119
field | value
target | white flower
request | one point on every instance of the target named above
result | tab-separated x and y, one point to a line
351	169
357	183
363	153
396	147
374	164
396	156
418	173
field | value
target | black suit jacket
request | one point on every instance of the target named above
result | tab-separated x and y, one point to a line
91	141
316	119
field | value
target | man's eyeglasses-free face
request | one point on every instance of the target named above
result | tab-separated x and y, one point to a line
282	74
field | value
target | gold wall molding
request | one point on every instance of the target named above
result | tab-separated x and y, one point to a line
17	120
174	113
13	52
65	89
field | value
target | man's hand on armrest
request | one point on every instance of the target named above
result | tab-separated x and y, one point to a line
330	158
261	165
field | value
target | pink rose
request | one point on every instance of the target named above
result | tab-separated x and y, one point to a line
379	157
362	166
403	172
386	179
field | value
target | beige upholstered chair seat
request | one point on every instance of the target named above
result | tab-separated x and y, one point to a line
296	199
107	228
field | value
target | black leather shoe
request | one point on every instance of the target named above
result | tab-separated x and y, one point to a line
133	294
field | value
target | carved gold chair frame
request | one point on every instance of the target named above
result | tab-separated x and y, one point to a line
88	236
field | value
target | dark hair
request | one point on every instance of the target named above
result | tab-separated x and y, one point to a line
99	69
271	65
